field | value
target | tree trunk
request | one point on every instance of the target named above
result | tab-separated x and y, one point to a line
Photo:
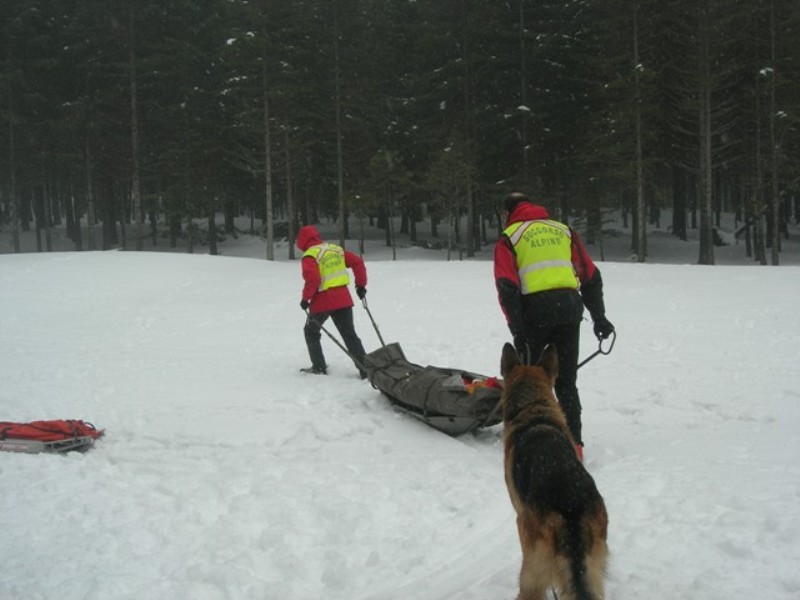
123	234
773	145
13	202
135	183
174	227
190	234
457	226
470	241
338	106
361	234
450	227
48	219
212	225
390	237
38	215
640	247
706	189
290	217
759	249
230	210
269	221
108	219
594	219
153	215
412	223
679	190
525	109
90	206
74	214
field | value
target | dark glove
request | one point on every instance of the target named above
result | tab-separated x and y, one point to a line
603	328
361	292
304	304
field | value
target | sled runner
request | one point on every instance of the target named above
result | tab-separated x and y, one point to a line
450	400
47	436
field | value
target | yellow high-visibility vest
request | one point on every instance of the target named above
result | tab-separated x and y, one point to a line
544	255
332	268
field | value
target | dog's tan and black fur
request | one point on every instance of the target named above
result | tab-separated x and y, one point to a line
561	517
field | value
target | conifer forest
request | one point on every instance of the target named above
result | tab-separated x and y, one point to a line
130	115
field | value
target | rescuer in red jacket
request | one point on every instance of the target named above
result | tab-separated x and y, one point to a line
544	278
325	294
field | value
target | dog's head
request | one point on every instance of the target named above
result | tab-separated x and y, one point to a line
526	385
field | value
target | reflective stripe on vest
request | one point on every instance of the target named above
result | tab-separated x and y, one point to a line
332	268
543	251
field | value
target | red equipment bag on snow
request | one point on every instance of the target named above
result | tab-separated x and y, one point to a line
47	436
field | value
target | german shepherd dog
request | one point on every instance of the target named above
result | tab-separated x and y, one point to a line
561	517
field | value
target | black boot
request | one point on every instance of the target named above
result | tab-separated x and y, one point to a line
315	370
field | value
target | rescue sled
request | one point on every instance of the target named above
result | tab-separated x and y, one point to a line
450	400
57	436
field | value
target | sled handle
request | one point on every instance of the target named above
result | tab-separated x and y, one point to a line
374	324
600	349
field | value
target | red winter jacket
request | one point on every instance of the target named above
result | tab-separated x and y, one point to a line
332	298
554	306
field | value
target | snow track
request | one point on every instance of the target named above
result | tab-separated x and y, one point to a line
487	560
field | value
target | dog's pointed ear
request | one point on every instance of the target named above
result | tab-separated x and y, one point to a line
509	359
549	361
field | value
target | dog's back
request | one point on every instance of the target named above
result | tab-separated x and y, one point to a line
561	516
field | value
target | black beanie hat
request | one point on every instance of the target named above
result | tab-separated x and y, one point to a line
511	200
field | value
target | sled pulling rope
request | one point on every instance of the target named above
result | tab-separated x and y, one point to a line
375	325
336	341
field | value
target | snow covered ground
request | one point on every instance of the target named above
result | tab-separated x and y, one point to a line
225	474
